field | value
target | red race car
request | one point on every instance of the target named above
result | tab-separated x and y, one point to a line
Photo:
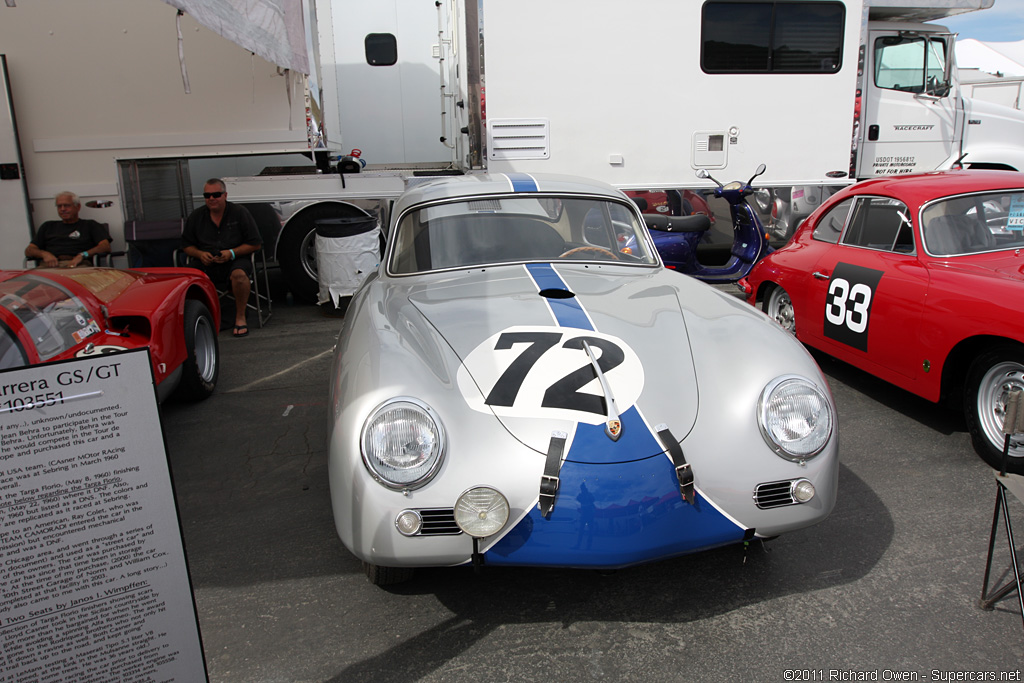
918	280
51	314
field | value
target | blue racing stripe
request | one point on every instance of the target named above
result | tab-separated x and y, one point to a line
613	516
567	312
522	182
611	509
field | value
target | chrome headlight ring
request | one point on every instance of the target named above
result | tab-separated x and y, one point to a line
403	443
795	418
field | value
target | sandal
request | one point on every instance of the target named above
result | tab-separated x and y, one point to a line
241	331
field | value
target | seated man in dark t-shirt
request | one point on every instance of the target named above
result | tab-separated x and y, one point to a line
220	237
71	240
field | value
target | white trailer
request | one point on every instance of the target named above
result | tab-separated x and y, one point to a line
639	95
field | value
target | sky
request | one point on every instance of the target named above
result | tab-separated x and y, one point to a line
1004	22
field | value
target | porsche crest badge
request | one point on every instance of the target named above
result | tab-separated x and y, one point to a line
613	428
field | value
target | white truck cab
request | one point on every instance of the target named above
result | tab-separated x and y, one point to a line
913	114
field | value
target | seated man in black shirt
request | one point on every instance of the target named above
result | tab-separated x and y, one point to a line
71	240
220	237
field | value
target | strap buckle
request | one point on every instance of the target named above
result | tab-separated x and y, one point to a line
549	478
548	489
684	473
548	485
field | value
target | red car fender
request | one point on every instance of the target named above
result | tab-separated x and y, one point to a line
162	302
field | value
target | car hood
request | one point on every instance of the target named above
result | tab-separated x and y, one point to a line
518	332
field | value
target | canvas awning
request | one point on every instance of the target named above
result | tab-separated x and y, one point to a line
273	29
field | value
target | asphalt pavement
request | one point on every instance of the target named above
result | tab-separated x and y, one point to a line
886	588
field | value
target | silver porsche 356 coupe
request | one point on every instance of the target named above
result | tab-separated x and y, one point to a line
515	387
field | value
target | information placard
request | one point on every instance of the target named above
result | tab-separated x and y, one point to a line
94	585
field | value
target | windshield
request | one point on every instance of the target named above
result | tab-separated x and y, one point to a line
911	64
53	318
974	223
11	354
492	230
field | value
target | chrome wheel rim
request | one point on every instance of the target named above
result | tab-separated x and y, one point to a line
993	393
780	309
307	254
205	349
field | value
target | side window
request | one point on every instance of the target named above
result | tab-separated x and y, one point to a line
880	223
772	37
381	49
909	64
830	227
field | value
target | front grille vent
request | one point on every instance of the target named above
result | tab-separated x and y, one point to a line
439	522
775	494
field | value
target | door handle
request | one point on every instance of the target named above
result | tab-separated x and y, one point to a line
819	275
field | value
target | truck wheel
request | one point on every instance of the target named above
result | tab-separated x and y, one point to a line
779	308
202	353
297	255
990	379
386	576
296	252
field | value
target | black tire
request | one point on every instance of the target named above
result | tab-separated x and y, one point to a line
386	576
991	377
267	221
202	362
779	307
296	251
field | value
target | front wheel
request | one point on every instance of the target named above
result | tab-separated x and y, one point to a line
779	308
202	353
990	379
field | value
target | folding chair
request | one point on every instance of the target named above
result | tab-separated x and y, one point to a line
153	243
259	284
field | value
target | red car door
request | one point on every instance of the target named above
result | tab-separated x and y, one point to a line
868	293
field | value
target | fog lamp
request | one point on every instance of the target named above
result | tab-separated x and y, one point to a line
802	490
408	522
481	511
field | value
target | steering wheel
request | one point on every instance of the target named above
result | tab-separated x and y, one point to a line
580	250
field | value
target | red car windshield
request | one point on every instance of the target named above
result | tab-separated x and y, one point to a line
11	353
52	317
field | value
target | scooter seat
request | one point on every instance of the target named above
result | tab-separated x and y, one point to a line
695	223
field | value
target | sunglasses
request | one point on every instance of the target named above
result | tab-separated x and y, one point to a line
212	195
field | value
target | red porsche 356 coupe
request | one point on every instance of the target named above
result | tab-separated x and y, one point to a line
918	280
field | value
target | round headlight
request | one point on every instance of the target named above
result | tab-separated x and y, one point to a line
403	443
481	511
795	418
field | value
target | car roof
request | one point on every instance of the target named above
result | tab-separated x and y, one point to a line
477	184
918	188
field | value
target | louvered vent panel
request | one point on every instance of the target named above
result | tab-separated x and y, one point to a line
518	139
